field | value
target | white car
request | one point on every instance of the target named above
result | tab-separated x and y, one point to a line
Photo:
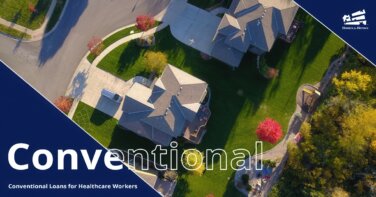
111	95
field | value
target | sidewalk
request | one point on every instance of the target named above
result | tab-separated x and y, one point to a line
39	33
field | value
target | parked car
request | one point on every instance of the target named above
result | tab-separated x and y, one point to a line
111	95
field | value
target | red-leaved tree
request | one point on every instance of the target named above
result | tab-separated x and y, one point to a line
95	45
269	130
64	103
144	23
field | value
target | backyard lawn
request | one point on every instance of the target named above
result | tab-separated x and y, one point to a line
241	98
18	12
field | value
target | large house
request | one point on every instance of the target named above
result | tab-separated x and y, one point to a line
172	106
251	25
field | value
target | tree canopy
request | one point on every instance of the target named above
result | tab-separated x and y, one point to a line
144	23
194	161
269	130
155	61
337	153
353	82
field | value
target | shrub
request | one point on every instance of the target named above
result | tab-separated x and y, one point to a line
64	103
170	175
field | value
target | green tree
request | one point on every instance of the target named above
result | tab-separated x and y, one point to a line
358	129
155	62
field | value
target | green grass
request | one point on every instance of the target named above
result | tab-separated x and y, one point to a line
13	32
18	12
117	36
56	14
204	4
241	98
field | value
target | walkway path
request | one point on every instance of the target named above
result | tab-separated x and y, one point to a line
36	34
279	152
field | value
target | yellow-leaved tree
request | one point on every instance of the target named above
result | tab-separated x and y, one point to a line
193	161
155	62
353	82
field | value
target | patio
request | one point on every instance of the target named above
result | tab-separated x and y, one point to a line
196	129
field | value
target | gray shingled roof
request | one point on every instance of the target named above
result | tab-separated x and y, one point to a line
164	109
260	22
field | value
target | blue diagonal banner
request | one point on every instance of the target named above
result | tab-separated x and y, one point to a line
32	127
353	21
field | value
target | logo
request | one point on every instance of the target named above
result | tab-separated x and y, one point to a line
355	21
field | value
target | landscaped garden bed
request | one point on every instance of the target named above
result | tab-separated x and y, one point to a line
241	98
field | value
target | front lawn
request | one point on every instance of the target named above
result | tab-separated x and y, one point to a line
241	98
18	12
117	36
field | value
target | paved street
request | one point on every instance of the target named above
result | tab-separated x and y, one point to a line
49	64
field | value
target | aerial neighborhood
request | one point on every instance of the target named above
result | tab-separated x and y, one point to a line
207	75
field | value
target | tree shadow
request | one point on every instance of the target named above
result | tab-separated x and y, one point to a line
311	39
182	188
79	84
16	17
98	117
299	54
52	43
231	190
124	140
129	56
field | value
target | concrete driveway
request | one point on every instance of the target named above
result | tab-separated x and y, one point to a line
191	25
89	81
